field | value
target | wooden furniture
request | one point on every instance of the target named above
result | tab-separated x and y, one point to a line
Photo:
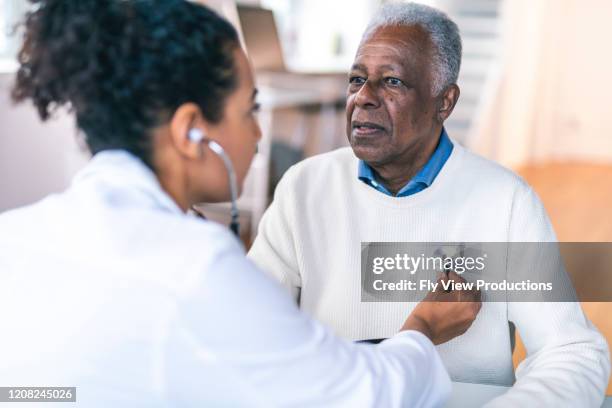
578	199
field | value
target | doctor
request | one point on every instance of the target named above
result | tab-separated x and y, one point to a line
114	287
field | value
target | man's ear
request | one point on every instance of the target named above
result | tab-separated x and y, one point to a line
186	117
446	102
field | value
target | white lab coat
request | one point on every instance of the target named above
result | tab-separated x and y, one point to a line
109	287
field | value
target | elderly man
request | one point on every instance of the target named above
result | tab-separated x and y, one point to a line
404	179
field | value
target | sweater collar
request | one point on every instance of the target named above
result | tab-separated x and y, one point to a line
423	179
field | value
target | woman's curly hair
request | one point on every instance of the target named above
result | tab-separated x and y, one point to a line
124	66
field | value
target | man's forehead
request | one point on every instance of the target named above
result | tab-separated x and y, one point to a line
380	49
399	37
393	46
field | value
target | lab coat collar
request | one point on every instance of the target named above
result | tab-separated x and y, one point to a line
124	170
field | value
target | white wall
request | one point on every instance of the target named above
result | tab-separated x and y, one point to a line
35	158
551	102
577	83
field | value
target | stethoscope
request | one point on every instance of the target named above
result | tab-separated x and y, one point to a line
197	136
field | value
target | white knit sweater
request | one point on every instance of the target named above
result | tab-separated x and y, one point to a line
310	237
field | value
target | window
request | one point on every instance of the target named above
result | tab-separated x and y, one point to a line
321	33
11	12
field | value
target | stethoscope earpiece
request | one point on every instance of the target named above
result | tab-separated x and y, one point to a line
195	135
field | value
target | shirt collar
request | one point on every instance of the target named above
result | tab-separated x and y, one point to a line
124	171
425	177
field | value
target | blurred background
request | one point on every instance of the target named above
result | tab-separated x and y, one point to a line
535	86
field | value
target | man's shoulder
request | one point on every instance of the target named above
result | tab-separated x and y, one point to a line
487	172
337	163
340	165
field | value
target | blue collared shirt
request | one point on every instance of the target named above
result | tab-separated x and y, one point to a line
423	179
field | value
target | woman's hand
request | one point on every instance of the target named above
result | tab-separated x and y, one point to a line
442	315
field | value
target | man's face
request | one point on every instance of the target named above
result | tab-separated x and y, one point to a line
390	108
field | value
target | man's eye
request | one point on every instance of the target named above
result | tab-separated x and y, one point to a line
355	80
393	81
256	108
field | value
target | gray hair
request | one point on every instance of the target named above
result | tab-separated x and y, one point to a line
443	32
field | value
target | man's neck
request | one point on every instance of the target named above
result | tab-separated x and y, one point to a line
394	176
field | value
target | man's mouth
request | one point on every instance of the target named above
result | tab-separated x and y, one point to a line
366	128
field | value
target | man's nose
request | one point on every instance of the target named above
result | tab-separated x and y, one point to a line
367	97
